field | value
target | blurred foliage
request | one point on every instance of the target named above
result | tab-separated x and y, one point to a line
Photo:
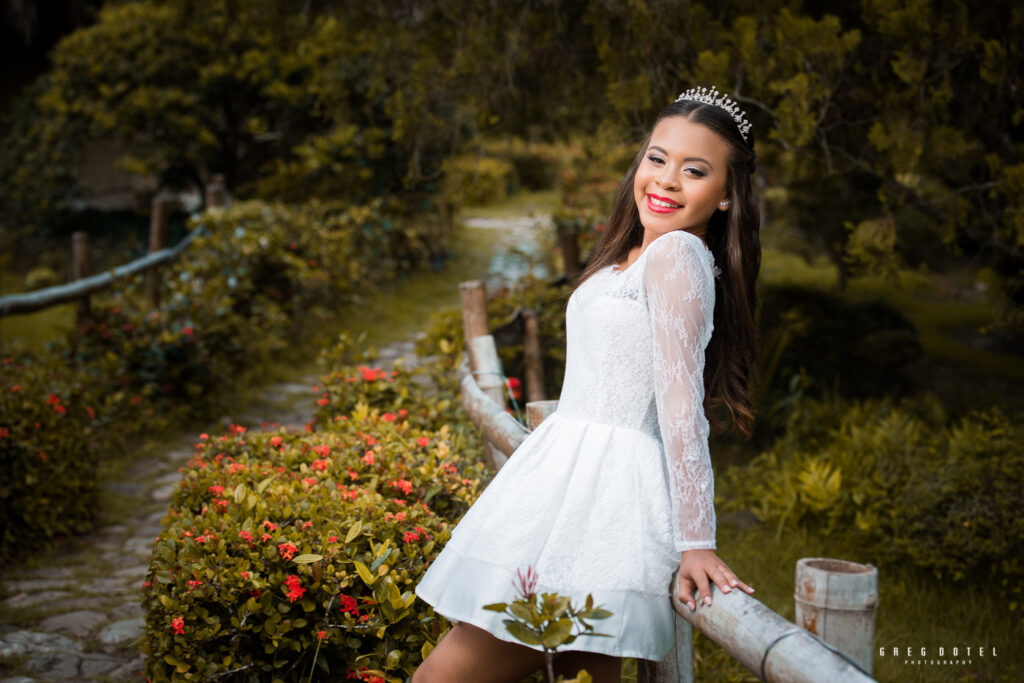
257	276
901	481
894	128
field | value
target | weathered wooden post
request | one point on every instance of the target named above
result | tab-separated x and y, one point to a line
538	411
567	239
157	241
217	196
80	270
532	357
836	600
483	354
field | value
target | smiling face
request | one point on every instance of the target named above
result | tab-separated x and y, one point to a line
681	179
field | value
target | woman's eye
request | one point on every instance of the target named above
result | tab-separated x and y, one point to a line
654	158
695	172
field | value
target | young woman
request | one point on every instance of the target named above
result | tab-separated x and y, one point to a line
614	491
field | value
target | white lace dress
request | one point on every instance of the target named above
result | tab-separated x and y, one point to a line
606	492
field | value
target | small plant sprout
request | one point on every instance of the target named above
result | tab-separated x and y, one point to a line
549	620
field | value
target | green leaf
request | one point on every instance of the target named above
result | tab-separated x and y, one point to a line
309	558
264	484
599	614
364	573
521	633
353	531
556	633
496	607
394	658
240	491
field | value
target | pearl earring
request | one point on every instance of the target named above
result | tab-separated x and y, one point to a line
724	204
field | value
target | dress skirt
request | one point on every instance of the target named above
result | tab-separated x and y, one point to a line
587	505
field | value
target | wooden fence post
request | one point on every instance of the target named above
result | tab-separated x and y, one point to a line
157	241
80	270
570	252
217	196
538	411
533	358
483	354
836	600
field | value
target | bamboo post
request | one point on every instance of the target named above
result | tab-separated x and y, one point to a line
570	252
80	270
473	297
217	196
157	241
483	355
533	360
491	380
836	600
538	411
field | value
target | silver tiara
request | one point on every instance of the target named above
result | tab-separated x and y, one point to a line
714	98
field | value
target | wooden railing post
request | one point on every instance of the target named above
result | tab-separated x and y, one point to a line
567	239
157	241
538	411
80	270
533	358
217	196
836	600
483	354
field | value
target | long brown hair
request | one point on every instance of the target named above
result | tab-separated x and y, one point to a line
734	238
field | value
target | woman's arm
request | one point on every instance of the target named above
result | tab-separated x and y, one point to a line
680	291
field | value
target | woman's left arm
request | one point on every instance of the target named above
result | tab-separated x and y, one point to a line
680	291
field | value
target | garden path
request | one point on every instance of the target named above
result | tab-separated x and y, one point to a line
75	614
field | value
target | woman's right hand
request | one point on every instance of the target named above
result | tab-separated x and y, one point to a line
697	569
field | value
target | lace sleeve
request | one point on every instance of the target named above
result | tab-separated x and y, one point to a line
680	291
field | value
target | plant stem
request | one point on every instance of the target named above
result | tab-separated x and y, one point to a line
549	664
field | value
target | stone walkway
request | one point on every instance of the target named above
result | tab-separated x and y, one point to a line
75	615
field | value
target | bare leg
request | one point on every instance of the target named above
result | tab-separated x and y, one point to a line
604	668
468	653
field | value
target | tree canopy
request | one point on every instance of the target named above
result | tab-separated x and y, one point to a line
894	127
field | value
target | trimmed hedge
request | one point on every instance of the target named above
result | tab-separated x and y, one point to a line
283	550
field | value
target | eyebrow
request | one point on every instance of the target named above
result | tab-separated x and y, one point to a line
665	152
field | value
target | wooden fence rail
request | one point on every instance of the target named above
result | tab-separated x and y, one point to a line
84	285
771	647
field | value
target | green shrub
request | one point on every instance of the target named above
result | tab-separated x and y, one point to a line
473	179
258	276
536	165
901	483
814	342
41	277
49	451
282	547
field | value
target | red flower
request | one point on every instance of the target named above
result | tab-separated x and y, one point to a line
320	464
526	584
322	635
4	431
42	455
92	413
423	441
516	386
178	626
322	401
53	399
295	589
275	441
368	458
348	605
410	537
404	485
187	331
287	550
216	489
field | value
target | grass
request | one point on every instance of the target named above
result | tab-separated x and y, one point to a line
915	609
